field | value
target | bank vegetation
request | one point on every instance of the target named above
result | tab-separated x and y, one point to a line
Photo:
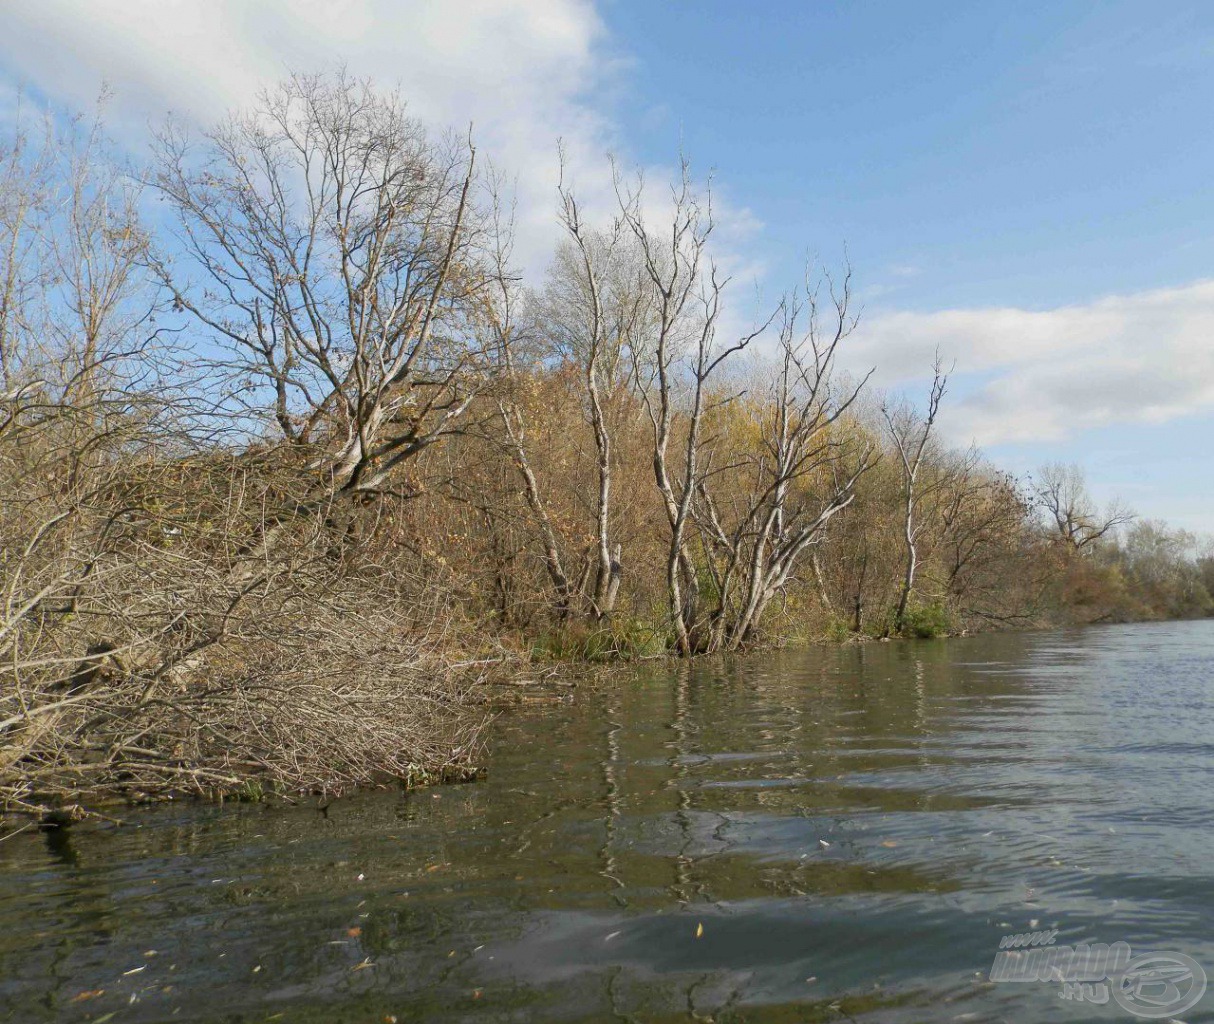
293	460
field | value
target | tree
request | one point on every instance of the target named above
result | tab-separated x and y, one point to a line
910	434
26	188
501	310
337	253
1164	565
990	570
761	507
591	312
1061	494
673	366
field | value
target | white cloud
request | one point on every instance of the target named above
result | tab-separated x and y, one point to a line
1028	375
525	72
528	72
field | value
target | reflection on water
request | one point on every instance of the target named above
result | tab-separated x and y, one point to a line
820	835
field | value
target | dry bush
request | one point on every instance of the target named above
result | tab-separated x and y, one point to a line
173	624
185	608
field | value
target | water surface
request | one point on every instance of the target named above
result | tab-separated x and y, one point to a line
819	835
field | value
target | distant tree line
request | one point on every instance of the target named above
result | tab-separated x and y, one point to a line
291	456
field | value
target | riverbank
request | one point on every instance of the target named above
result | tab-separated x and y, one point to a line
406	461
406	752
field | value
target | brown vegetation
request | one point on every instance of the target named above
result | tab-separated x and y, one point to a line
283	477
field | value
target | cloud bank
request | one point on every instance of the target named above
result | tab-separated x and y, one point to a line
527	72
1028	375
524	73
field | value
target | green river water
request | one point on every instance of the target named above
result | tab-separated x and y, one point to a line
830	834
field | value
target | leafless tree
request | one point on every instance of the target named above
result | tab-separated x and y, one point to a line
673	366
910	433
335	249
783	496
143	650
25	202
514	339
1062	495
592	309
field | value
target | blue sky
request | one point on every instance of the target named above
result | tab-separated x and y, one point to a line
1026	186
1032	155
1022	154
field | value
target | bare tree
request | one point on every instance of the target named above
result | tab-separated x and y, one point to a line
336	251
26	186
90	402
910	434
1079	524
673	365
804	472
592	309
143	650
982	510
501	310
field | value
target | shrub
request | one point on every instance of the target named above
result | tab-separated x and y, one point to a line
837	631
926	621
619	639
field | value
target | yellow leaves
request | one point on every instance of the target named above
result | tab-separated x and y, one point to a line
700	930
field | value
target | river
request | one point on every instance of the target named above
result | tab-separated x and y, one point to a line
827	834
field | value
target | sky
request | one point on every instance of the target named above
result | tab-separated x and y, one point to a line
1026	187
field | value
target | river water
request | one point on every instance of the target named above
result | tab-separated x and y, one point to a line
828	834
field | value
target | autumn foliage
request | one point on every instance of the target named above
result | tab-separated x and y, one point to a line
292	457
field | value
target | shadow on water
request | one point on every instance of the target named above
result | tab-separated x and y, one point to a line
828	834
59	846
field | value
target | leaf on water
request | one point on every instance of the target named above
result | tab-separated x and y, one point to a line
699	930
824	844
354	932
108	1016
92	993
889	843
363	966
134	970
